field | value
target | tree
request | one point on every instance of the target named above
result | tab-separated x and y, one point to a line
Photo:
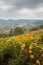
41	26
11	32
18	31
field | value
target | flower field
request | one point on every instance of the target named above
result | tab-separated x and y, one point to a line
25	49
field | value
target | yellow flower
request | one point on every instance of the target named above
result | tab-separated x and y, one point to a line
19	41
32	56
15	46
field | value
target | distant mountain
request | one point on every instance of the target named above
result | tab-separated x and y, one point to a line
13	23
10	23
38	22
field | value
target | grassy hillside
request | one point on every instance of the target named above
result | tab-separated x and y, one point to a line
25	49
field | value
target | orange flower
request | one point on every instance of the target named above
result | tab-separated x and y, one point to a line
31	46
38	62
32	56
41	55
38	38
25	35
30	51
41	50
22	46
31	37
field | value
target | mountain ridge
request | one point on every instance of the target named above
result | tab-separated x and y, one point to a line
10	23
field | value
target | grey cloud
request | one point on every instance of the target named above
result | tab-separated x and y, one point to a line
23	3
15	5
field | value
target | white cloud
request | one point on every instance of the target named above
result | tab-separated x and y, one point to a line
31	13
23	11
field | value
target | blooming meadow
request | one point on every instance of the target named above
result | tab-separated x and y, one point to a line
25	49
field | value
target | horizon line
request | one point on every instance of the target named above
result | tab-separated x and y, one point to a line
20	19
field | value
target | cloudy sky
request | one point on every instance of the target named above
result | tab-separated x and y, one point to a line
21	9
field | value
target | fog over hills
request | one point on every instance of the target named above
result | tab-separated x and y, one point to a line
10	23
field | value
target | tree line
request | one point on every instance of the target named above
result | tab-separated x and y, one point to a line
16	31
19	30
